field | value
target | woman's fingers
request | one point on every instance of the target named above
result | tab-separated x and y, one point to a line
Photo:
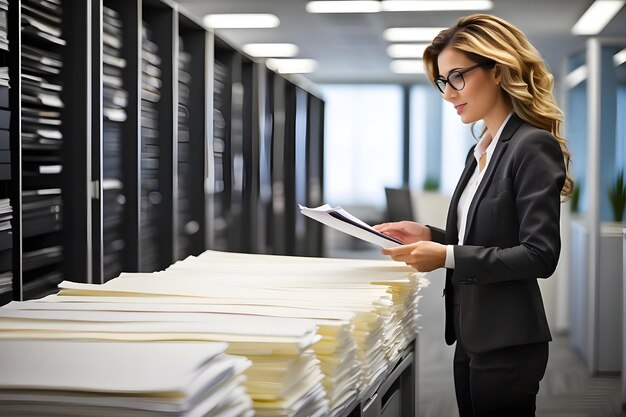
422	256
398	250
381	226
400	253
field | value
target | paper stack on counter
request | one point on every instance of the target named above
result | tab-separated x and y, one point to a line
364	313
381	294
63	378
336	350
395	308
285	343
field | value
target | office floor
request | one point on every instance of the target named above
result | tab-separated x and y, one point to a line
567	390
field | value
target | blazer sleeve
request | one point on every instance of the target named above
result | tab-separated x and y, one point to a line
437	235
538	175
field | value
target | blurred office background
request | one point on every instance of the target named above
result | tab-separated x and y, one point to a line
386	127
211	136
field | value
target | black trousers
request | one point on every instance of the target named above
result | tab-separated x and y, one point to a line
500	383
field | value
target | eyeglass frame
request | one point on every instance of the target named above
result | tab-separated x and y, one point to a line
461	72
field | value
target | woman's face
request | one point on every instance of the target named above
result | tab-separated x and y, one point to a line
480	94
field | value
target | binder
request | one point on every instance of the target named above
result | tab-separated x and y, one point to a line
5	119
4	97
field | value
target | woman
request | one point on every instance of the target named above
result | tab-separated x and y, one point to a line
502	230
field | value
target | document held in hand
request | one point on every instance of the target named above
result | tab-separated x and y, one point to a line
341	220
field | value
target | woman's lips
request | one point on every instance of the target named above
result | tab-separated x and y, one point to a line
459	108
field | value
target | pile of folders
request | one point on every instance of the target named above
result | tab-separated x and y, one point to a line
42	139
321	334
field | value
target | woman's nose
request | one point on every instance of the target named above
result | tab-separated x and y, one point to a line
449	93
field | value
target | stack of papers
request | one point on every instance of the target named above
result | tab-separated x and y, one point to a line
61	378
293	387
321	333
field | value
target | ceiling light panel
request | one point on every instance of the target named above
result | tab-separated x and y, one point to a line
411	34
619	58
597	16
407	66
344	6
271	50
406	50
241	21
434	5
292	66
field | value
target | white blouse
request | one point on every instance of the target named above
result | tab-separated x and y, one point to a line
472	185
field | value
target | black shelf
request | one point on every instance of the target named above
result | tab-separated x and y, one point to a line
6	210
191	228
315	172
117	159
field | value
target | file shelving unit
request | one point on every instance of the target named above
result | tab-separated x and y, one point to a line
228	96
49	121
194	228
315	172
171	141
238	147
6	240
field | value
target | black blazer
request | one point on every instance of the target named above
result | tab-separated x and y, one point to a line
512	238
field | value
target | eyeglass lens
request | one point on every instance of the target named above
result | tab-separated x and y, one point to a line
455	79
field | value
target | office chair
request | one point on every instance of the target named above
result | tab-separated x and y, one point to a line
399	204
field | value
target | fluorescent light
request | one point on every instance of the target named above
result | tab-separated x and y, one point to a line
406	50
265	50
343	6
241	21
619	58
576	76
597	16
411	34
407	66
434	5
292	66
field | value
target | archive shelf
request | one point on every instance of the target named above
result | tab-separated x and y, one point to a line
169	142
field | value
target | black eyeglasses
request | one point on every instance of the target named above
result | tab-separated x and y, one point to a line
455	78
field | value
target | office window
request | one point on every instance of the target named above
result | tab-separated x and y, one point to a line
456	139
363	143
620	141
420	125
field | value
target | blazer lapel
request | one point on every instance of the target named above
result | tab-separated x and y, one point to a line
511	127
452	230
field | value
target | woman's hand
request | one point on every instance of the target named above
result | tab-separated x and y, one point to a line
424	256
405	232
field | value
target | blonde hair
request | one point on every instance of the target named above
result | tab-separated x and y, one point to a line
525	77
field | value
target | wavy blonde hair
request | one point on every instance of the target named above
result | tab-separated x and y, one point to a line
525	78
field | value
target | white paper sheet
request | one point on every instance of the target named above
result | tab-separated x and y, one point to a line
341	220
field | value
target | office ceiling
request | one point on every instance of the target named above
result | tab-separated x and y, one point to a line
350	47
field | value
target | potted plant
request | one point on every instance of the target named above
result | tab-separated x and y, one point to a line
431	184
617	197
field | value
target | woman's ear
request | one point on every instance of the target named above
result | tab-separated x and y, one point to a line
497	73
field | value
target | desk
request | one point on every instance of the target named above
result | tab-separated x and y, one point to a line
396	395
